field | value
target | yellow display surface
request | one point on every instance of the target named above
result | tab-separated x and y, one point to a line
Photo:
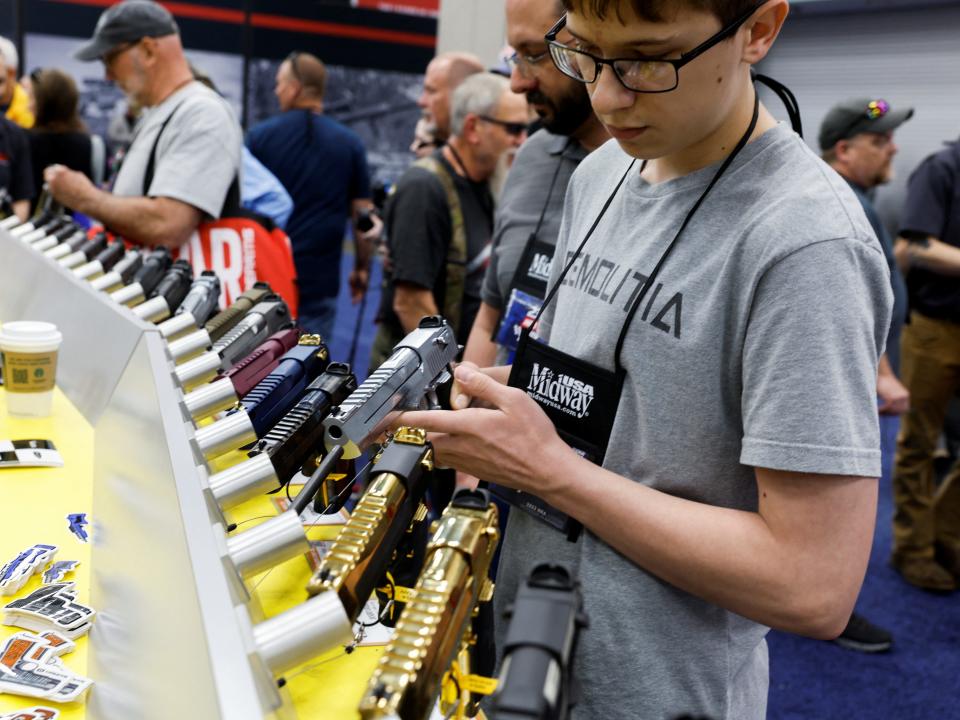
34	504
331	685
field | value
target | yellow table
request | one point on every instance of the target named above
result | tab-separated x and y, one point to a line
331	685
34	504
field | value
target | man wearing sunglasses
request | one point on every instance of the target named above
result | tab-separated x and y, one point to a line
185	156
708	349
440	218
323	165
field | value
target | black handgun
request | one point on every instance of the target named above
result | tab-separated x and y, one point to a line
536	680
279	455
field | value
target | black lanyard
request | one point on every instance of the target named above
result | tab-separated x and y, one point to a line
531	274
666	253
482	195
580	398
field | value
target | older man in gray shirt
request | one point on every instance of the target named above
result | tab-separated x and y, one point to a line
528	217
185	155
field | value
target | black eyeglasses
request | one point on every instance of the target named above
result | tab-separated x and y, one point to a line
512	128
525	64
639	74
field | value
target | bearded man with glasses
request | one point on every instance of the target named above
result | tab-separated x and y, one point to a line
692	429
528	217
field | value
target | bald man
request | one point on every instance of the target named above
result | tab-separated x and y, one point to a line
323	165
444	73
183	166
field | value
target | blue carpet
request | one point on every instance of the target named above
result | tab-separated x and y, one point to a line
918	678
811	680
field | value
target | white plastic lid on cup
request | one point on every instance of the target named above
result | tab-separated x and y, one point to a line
27	336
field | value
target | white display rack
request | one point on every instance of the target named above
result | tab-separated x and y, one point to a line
170	640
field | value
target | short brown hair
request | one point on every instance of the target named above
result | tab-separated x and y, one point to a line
660	10
57	101
312	73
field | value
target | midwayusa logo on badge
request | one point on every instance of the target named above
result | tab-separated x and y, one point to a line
561	391
540	267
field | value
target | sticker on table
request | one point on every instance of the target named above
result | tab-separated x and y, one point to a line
57	571
34	713
15	574
51	607
30	665
77	523
29	453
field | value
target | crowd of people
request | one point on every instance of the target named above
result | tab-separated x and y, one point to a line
726	309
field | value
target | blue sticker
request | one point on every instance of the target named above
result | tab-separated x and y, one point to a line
77	522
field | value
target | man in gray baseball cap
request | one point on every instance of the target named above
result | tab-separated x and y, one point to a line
856	139
126	23
860	115
185	158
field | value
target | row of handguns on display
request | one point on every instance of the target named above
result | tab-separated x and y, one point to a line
292	410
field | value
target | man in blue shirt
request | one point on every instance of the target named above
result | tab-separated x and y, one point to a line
323	165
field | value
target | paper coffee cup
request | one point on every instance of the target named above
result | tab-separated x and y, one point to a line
29	351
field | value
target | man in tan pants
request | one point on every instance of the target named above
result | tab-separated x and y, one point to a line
926	523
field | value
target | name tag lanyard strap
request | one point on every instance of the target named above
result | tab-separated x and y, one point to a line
553	185
522	279
666	253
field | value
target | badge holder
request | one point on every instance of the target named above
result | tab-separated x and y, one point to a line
580	399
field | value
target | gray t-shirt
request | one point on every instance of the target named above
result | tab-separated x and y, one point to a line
198	155
521	203
757	347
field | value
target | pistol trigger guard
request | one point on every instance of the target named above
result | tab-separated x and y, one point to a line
433	402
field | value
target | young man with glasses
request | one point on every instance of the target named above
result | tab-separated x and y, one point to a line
440	218
323	165
926	523
528	214
190	139
694	432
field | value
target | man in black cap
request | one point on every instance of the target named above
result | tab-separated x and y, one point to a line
186	154
856	139
926	523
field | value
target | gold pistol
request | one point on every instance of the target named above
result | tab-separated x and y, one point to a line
434	629
365	546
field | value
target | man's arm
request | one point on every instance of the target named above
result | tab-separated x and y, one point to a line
21	208
144	220
481	350
364	242
894	397
928	253
797	563
411	303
